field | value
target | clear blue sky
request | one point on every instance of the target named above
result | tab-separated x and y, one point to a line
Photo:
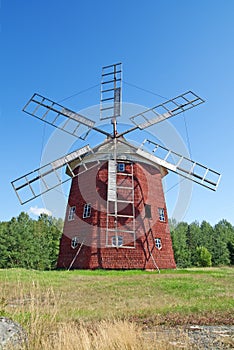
57	48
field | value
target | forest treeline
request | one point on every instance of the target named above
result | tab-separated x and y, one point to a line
30	243
202	244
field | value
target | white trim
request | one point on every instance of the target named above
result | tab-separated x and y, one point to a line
74	242
158	243
87	211
161	214
71	213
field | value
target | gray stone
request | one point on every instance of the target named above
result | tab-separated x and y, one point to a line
12	335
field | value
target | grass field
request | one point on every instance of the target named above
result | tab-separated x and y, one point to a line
53	305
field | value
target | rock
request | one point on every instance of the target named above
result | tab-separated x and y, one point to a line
196	337
12	335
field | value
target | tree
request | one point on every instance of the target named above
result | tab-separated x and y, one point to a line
49	235
203	257
180	247
193	240
18	241
3	245
206	237
223	232
28	243
230	247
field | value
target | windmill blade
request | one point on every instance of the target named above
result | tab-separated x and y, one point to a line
60	117
42	180
110	103
164	111
181	165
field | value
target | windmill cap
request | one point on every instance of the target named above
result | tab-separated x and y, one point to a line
125	151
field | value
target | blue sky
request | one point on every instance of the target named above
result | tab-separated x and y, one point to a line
57	48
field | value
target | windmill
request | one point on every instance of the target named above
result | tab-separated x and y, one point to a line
116	214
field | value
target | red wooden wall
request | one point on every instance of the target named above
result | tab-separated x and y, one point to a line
91	188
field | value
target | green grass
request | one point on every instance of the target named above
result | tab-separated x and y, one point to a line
171	297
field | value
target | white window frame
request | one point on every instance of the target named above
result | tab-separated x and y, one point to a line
87	211
117	241
158	243
121	167
74	242
161	214
71	213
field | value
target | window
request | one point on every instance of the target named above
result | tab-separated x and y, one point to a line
71	213
87	211
161	214
117	241
121	167
74	242
158	243
148	211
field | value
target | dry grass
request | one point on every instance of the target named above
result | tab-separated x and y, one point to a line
98	310
105	335
102	336
38	310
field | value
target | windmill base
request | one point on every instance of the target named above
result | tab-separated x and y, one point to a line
114	258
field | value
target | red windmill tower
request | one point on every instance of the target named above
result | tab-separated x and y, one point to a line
116	215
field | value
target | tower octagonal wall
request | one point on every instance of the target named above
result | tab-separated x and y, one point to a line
86	242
